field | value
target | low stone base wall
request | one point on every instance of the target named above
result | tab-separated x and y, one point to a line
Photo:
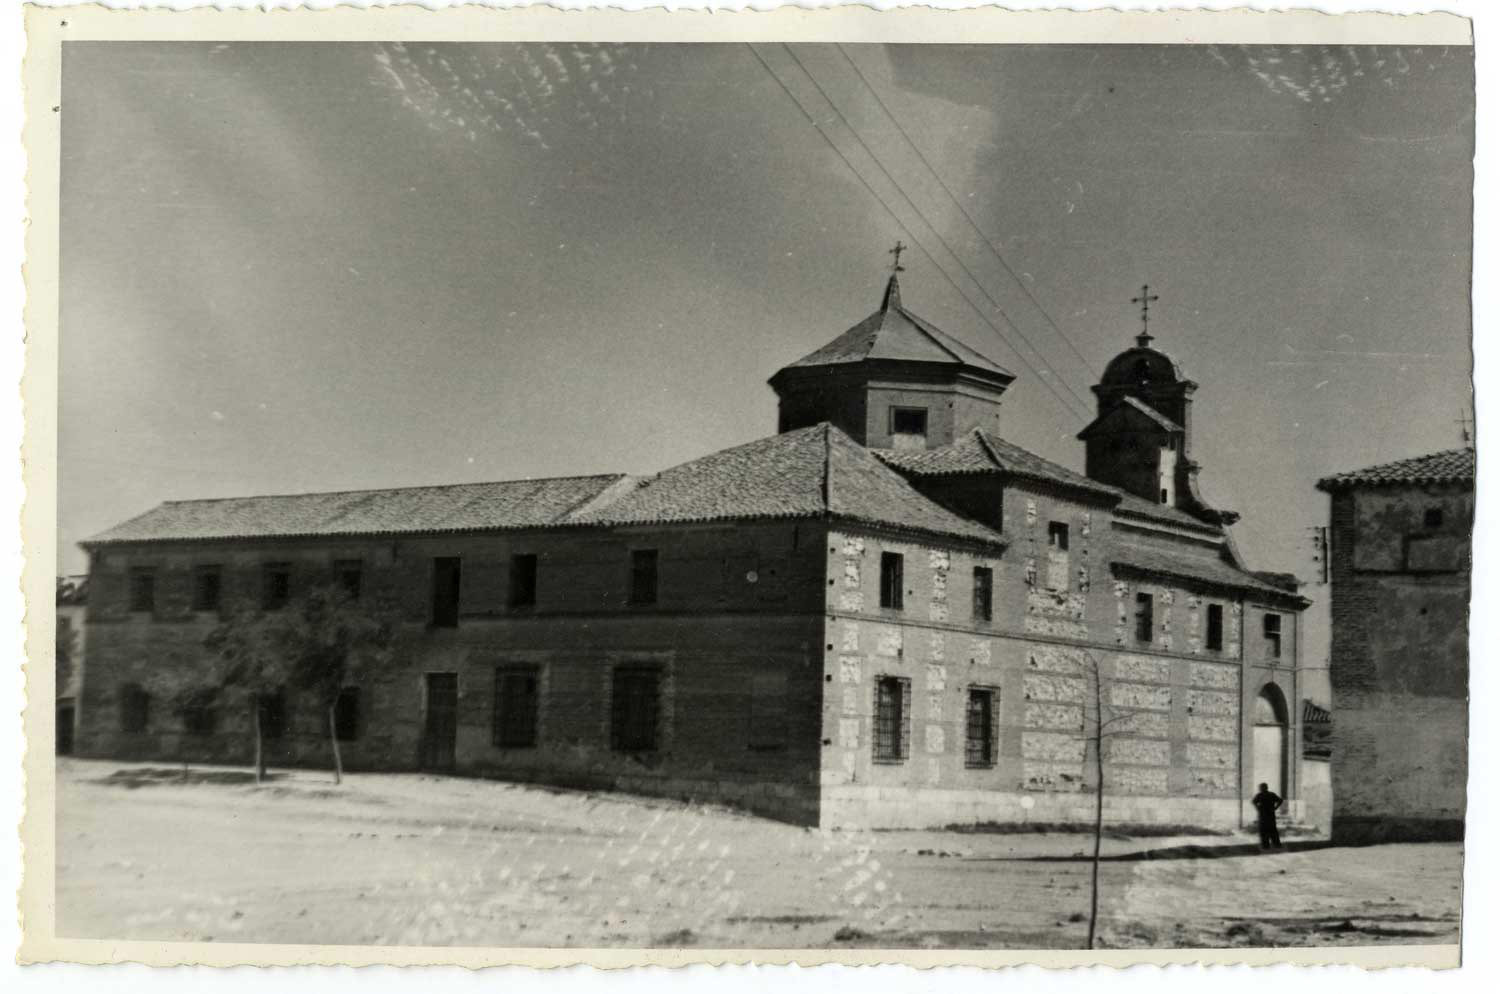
892	807
1357	831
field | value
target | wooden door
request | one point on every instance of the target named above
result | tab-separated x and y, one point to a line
440	731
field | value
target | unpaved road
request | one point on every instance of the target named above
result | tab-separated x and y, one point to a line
153	853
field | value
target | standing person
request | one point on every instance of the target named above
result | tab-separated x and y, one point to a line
1266	804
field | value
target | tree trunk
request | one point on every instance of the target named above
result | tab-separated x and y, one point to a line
1098	805
260	752
333	739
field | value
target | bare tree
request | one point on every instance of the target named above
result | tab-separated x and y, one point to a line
1098	723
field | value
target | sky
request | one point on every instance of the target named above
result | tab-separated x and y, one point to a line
294	266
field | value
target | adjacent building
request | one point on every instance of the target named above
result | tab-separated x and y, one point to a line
1399	537
883	615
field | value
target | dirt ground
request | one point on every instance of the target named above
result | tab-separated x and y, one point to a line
162	853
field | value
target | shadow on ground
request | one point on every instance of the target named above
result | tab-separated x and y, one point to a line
1170	852
150	776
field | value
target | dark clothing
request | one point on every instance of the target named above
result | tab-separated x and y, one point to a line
1266	804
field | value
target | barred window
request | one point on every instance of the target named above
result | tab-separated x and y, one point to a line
979	740
207	587
768	702
516	706
892	719
891	580
143	589
984	592
135	708
346	715
635	709
1215	639
1143	618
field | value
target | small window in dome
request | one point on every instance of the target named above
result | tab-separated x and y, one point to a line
1142	369
908	421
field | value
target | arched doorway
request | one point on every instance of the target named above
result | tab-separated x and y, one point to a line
1269	740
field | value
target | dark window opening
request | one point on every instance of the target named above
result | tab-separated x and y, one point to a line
272	713
634	710
1143	619
350	574
979	739
768	710
1164	495
908	421
516	700
892	583
643	576
1057	535
1216	626
208	585
199	719
892	719
346	715
143	589
135	708
523	580
447	577
984	592
1272	628
1433	518
275	586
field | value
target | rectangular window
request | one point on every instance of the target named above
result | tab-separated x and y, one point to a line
142	589
1057	535
272	714
635	708
350	576
892	719
208	585
516	705
984	593
768	710
908	421
275	586
643	576
1433	518
346	715
979	738
892	583
1272	628
523	580
1215	627
1143	618
135	708
199	718
447	578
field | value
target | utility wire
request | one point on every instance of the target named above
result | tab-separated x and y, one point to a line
1045	381
967	216
941	240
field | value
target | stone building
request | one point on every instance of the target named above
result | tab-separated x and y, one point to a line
71	602
1399	666
883	615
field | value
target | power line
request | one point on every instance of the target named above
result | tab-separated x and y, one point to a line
906	229
962	209
938	234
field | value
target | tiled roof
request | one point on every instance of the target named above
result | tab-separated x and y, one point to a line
1161	420
978	451
1452	466
460	507
895	333
1204	563
1132	506
811	471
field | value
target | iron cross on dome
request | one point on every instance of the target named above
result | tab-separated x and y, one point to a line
896	266
1146	299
